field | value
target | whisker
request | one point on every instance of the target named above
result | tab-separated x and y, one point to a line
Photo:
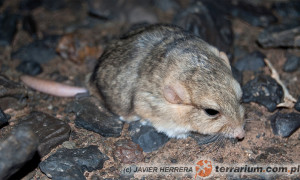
213	146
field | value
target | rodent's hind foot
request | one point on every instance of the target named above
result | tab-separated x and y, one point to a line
130	118
182	136
146	122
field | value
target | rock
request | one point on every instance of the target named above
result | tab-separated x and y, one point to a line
29	25
17	149
238	75
71	163
89	116
39	51
166	5
54	5
128	152
292	63
103	9
30	67
283	35
222	6
240	52
8	27
285	124
141	14
69	145
78	50
11	89
28	5
275	150
130	11
260	158
49	130
147	137
254	15
12	103
297	105
252	62
263	90
207	23
288	9
3	118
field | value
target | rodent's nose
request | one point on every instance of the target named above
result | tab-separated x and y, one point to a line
239	133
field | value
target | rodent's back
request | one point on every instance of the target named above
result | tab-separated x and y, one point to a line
127	62
174	79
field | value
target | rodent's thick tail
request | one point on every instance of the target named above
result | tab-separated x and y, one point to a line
52	87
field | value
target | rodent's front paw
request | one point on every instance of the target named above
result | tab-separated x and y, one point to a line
178	133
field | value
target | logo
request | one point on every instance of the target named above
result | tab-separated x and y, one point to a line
203	168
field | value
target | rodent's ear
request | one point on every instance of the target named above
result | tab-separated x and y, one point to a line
222	55
225	58
176	93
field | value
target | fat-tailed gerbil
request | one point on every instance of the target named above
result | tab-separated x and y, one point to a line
171	78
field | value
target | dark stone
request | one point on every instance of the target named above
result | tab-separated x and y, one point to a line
29	25
11	89
260	157
90	117
174	161
28	5
8	27
4	67
71	163
285	124
207	23
30	67
297	105
253	62
222	6
166	5
13	103
238	75
273	150
254	15
263	90
240	52
287	10
102	10
54	5
3	118
17	149
132	11
292	63
108	10
49	130
147	137
283	35
39	51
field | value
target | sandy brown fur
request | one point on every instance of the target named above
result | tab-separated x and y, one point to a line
133	72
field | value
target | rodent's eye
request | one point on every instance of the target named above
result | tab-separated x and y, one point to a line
211	112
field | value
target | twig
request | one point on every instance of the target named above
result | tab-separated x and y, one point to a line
288	100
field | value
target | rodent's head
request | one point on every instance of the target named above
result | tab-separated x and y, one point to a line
205	95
